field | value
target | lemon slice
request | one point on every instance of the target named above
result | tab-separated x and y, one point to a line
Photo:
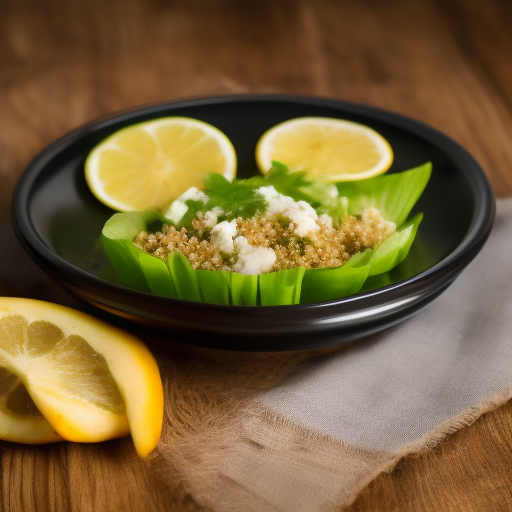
150	164
332	149
90	381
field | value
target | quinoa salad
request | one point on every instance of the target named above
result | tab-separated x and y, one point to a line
286	234
275	239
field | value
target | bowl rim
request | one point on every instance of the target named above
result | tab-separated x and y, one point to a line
449	267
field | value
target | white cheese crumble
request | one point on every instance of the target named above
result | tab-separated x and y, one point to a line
302	214
222	234
211	217
252	260
178	208
325	220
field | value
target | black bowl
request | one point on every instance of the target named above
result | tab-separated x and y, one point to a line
58	221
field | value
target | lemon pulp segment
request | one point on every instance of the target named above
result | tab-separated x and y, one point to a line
20	419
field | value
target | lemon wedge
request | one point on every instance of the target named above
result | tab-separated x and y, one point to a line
148	165
327	148
87	379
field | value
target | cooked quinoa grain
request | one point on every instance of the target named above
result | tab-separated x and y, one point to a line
327	247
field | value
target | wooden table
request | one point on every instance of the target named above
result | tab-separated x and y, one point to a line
62	64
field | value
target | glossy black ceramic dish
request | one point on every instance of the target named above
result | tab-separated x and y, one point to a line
59	221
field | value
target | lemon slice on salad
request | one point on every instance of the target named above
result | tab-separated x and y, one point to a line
75	377
150	164
327	148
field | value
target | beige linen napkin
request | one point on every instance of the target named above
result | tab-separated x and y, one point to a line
281	432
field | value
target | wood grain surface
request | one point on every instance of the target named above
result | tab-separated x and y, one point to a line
63	63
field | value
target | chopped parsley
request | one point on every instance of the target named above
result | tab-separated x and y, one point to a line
239	198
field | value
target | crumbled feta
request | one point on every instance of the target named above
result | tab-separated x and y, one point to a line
178	208
222	234
252	260
325	220
301	213
211	217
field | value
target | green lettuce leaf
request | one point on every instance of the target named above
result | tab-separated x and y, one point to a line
393	195
157	276
184	277
214	286
117	242
320	284
244	290
281	288
389	253
392	251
